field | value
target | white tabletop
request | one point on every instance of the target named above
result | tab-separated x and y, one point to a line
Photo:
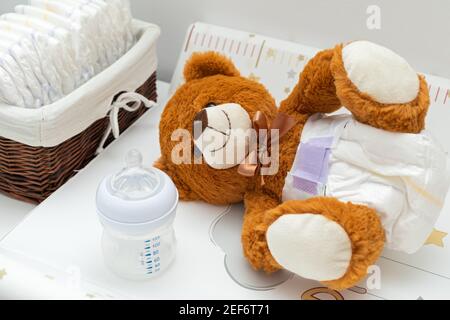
12	212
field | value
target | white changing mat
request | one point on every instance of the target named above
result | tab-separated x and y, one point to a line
55	123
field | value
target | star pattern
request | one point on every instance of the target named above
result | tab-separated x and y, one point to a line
253	77
271	53
436	238
3	274
292	74
287	90
301	57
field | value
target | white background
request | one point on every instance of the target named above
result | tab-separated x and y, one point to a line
416	29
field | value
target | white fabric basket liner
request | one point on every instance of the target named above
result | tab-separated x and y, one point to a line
53	124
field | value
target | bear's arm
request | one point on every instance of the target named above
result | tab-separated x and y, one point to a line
186	194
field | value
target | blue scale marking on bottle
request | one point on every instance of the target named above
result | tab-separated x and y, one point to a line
151	252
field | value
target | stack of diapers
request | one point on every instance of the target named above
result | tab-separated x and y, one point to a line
49	48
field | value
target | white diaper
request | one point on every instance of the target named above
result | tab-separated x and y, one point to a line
87	33
116	33
92	19
77	38
17	47
57	83
404	177
113	24
8	89
53	47
40	53
120	11
63	57
10	65
103	29
39	85
88	27
73	65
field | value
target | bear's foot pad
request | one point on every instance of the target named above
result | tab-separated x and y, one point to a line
311	246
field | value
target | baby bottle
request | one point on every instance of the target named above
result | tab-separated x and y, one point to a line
137	208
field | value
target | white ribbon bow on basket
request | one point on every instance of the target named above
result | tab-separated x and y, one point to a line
128	101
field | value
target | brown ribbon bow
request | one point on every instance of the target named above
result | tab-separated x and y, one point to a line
253	163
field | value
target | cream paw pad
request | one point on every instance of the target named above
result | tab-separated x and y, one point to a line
379	87
380	72
311	246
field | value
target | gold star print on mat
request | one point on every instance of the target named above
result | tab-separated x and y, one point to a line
287	90
2	274
292	74
271	53
436	238
301	57
252	35
253	77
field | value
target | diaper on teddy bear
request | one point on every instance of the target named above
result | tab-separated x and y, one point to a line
402	176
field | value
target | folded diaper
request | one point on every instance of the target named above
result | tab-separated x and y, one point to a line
40	88
121	13
74	67
96	56
61	58
49	48
8	89
12	67
45	68
24	52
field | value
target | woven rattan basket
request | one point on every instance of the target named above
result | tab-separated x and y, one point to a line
31	172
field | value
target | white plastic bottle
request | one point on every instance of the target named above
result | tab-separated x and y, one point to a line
137	208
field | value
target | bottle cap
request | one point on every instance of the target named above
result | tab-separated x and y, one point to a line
136	199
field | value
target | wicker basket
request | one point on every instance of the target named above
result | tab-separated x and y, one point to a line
33	173
41	149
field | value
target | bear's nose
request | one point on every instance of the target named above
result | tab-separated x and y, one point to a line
201	117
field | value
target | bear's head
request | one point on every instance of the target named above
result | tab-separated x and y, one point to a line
202	127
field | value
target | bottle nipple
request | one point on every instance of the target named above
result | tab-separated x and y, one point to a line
134	159
135	182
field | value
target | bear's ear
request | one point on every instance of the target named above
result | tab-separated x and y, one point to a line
206	64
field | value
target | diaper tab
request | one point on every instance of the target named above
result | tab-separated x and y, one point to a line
312	165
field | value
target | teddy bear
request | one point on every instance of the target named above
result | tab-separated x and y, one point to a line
356	171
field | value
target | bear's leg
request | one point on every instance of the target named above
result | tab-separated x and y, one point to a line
324	239
254	231
379	87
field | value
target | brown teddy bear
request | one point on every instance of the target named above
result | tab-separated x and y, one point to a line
346	186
